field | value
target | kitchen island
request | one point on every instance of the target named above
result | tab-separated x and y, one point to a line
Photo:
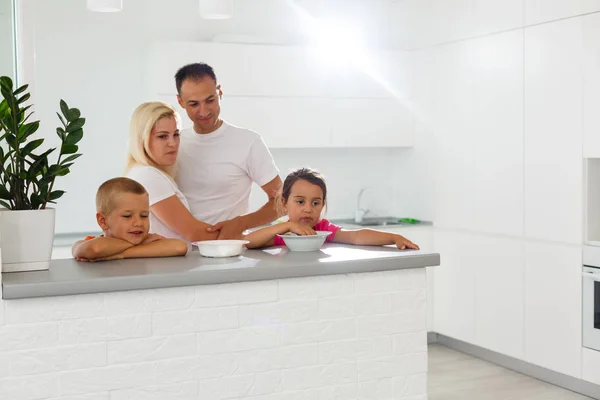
342	323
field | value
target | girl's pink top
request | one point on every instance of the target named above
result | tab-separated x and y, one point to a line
322	225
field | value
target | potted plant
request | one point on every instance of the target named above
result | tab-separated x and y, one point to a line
27	179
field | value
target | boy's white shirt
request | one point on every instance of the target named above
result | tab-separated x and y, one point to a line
159	187
216	171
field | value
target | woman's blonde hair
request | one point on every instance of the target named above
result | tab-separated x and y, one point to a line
144	118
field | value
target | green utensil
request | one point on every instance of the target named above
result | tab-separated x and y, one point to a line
408	221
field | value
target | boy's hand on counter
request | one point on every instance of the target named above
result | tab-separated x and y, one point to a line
403	243
152	237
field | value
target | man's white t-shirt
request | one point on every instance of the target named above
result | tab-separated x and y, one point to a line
216	171
159	187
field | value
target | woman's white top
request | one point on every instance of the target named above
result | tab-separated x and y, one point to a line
159	187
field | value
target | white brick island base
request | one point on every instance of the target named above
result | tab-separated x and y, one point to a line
340	337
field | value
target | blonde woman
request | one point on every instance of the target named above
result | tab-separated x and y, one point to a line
153	149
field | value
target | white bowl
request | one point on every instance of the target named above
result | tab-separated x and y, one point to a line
220	248
304	243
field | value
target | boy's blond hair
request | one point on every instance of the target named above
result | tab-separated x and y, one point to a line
111	189
144	118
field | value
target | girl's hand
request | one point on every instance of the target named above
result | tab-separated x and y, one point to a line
301	229
152	237
403	243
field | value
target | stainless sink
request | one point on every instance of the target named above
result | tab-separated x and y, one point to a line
369	221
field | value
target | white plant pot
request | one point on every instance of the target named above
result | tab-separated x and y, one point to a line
26	239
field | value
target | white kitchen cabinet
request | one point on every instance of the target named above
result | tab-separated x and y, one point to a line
454	297
498	268
553	307
497	16
498	142
591	86
241	69
553	131
591	366
287	95
538	11
282	122
371	123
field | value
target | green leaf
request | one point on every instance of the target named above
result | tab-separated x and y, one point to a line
4	193
3	109
70	158
74	137
23	98
29	147
36	201
23	111
11	140
27	129
63	172
77	124
62	134
21	90
5	204
61	119
56	194
64	108
73	114
69	149
6	83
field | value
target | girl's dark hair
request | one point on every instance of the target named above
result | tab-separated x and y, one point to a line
306	174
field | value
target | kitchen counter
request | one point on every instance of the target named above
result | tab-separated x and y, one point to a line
67	276
272	324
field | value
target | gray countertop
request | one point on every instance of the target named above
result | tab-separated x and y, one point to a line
67	277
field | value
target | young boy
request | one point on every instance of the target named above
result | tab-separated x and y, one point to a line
122	210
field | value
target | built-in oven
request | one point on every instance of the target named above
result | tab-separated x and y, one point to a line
591	297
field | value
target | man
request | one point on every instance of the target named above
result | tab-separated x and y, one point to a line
218	162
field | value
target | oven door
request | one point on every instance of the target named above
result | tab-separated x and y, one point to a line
591	308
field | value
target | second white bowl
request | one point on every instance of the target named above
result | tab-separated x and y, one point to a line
305	243
220	248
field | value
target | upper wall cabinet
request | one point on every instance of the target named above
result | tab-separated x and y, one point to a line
591	86
292	97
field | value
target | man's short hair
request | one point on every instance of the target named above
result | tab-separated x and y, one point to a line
109	190
196	72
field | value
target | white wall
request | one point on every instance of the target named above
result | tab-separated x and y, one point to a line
94	62
6	39
499	86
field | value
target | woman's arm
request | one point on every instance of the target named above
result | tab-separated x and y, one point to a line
265	237
178	218
99	247
368	237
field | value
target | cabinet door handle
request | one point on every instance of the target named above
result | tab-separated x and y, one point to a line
594	277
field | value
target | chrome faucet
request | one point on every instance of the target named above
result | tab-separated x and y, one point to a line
360	213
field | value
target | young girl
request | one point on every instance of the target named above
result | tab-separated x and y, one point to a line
303	197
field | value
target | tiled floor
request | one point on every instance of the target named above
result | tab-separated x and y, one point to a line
457	376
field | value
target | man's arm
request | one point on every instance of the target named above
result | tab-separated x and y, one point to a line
268	212
233	228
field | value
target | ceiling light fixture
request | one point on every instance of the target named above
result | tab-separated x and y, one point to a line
216	9
105	5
